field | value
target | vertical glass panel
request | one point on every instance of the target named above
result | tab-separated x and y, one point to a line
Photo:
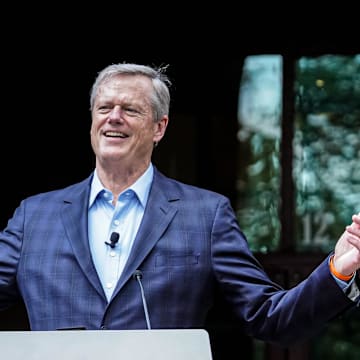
326	148
327	173
258	179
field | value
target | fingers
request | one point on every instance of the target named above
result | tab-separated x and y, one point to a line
354	240
356	219
356	222
353	229
353	232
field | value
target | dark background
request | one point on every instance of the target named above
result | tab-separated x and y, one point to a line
47	74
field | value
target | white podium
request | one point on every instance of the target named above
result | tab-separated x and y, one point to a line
174	344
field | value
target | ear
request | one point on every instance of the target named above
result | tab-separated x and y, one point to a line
160	128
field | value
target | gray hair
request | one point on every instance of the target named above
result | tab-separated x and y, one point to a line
160	98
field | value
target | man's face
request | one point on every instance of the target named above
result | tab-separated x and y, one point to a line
123	128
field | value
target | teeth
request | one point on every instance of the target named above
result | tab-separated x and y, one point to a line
114	134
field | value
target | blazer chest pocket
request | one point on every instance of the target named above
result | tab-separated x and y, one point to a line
177	260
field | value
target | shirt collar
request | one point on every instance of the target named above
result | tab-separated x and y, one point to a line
141	187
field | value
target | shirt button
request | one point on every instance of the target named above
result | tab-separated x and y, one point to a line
112	253
109	285
116	222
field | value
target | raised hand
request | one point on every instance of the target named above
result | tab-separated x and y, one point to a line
347	249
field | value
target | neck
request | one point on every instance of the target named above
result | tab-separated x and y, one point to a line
117	179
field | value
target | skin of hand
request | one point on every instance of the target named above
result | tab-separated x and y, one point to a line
347	249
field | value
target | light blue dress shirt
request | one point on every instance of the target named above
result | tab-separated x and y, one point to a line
124	218
350	288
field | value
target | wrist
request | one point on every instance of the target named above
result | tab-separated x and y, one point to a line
337	274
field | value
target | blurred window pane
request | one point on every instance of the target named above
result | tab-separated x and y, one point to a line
259	135
326	166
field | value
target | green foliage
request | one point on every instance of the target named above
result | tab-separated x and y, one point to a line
326	148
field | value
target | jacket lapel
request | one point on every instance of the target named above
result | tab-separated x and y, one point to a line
74	217
159	212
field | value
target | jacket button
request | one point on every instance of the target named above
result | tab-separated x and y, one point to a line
103	327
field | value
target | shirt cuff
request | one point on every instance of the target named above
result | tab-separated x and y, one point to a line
350	288
353	292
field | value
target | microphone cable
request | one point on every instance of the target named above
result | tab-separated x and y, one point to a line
138	277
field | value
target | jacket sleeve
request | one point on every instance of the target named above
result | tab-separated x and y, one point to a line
267	311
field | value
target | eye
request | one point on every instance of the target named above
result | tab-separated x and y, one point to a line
103	109
130	110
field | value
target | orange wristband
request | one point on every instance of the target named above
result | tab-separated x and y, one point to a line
337	274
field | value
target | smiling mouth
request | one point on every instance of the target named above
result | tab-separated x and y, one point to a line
115	134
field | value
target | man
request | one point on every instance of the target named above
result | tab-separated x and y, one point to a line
129	248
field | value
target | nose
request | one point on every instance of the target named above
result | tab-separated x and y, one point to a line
115	114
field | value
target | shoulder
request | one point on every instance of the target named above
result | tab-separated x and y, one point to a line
68	192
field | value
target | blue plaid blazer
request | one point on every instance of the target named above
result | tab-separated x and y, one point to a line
188	244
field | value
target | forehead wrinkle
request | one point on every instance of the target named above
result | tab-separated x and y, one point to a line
116	89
